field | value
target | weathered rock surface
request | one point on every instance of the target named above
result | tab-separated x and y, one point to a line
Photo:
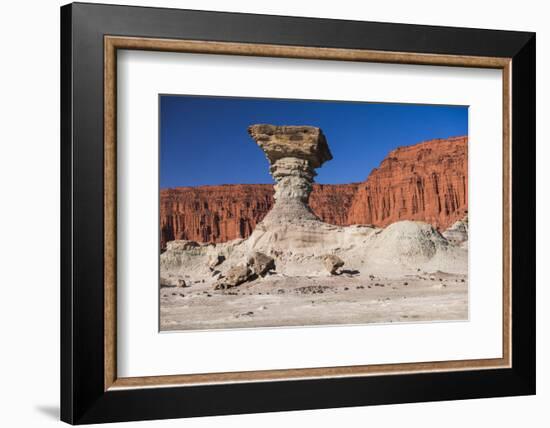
331	202
294	152
407	242
426	182
458	232
332	263
301	142
260	263
234	277
212	213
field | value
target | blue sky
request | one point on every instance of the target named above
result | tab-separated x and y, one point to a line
204	140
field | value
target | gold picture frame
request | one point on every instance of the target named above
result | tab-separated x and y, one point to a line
114	43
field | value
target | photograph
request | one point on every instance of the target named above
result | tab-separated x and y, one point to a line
289	212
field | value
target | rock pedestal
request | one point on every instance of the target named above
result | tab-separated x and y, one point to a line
294	152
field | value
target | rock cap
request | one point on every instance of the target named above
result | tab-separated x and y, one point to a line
302	142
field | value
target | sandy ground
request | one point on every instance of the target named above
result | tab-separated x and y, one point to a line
279	300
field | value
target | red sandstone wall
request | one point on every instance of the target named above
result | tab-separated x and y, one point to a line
222	213
213	213
427	182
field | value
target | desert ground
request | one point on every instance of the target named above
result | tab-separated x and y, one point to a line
406	272
278	300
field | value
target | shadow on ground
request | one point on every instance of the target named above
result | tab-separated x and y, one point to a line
50	411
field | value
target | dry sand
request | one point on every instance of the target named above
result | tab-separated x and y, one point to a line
278	300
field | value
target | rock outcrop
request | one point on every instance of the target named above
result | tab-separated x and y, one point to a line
260	264
234	277
458	232
425	182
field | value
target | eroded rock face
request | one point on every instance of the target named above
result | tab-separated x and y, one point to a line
426	182
212	213
458	232
331	202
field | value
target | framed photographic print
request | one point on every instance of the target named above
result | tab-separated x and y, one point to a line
265	213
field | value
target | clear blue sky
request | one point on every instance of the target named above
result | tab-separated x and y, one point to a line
204	140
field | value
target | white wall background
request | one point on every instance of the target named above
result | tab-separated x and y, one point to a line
29	215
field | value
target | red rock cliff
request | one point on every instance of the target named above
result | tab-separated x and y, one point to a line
222	213
213	213
427	182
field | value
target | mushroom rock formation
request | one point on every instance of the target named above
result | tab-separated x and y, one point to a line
294	152
291	232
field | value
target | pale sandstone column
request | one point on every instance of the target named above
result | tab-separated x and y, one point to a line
294	152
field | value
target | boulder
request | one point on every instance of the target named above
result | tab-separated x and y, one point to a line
165	282
172	282
260	263
234	277
332	263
